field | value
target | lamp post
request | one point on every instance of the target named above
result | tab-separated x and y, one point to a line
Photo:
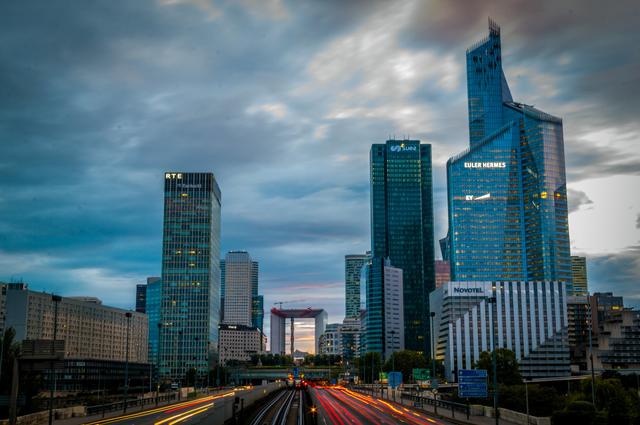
52	384
126	361
593	375
492	301
526	397
433	347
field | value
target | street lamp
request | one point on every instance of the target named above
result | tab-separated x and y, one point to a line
52	384
492	301
433	347
126	361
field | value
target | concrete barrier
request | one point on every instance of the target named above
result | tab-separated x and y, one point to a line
39	418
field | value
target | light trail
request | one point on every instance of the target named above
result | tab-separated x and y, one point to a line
163	409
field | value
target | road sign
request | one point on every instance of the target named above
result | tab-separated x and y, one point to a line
434	384
296	372
472	383
382	376
395	379
421	374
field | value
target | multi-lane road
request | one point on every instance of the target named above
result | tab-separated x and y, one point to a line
317	406
341	406
199	411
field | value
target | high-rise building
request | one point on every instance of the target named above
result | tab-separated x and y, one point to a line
190	306
141	298
330	341
350	331
239	342
352	268
393	310
578	326
222	285
402	232
528	318
579	275
443	272
507	192
153	310
257	312
238	282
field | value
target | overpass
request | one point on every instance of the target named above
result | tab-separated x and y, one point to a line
271	374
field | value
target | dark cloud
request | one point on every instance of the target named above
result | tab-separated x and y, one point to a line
281	100
616	273
577	199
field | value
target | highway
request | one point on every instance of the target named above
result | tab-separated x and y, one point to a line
341	406
198	411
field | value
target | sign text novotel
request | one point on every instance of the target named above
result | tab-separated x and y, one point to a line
467	291
485	165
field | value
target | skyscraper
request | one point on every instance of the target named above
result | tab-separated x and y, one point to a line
257	301
402	232
507	192
352	267
190	304
141	298
579	275
238	296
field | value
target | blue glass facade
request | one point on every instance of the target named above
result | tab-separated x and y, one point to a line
401	231
190	301
154	297
507	191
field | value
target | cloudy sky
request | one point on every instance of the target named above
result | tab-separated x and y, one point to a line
282	100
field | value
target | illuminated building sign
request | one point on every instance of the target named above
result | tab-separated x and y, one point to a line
403	148
485	165
477	198
173	175
469	289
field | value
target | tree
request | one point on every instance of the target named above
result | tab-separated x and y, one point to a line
364	366
506	366
405	361
10	350
578	413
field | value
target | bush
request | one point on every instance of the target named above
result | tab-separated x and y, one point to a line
579	413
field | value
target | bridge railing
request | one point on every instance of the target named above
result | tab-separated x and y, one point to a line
101	409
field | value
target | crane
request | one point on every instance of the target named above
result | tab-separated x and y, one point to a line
279	303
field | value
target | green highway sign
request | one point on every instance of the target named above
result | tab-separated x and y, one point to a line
421	374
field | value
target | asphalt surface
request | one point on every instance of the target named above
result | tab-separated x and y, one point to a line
340	406
199	411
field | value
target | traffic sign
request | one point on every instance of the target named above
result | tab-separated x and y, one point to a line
395	379
382	376
421	374
472	383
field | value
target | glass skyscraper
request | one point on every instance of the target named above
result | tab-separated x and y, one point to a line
507	192
153	308
190	304
352	268
402	236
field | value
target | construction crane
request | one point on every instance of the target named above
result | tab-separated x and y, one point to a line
279	303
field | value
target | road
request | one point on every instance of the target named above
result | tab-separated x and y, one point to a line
341	406
200	411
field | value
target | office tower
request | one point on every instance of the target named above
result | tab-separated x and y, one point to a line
330	342
257	301
190	308
578	325
579	275
153	310
238	300
528	318
222	272
92	337
141	298
443	272
352	267
350	333
402	232
257	312
393	310
507	192
239	342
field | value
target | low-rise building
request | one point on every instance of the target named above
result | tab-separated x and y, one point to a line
239	342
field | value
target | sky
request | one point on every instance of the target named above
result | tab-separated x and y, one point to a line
282	101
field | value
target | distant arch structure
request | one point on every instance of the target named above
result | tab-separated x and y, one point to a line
278	324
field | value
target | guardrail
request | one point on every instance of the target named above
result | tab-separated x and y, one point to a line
119	405
437	403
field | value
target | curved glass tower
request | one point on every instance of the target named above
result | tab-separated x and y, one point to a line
507	192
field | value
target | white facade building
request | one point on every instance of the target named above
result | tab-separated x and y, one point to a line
238	342
529	318
331	340
393	310
238	287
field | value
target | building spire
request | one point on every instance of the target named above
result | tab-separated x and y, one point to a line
494	28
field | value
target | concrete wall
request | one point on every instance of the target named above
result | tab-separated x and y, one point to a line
509	415
43	417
